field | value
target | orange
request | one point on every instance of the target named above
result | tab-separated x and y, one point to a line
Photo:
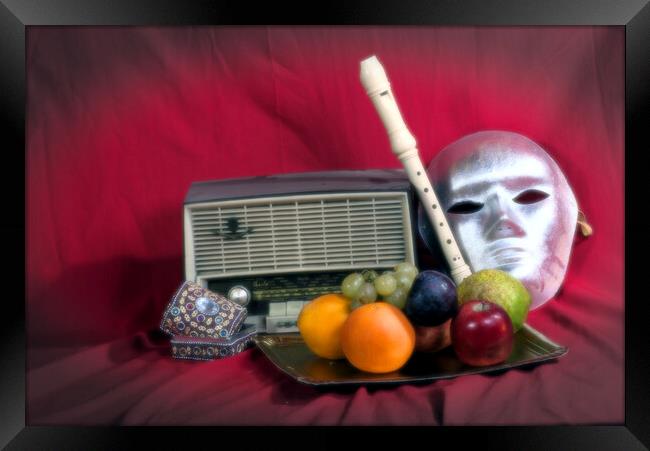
378	338
320	322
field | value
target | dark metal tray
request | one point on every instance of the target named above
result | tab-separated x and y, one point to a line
290	354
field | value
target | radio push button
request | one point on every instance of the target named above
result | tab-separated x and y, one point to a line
239	295
277	308
294	307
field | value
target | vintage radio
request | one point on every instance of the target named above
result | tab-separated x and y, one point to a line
274	243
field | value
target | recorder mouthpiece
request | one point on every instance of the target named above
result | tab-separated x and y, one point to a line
374	80
373	76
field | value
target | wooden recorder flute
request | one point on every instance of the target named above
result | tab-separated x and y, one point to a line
377	86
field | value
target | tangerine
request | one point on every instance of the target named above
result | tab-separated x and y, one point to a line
320	322
377	338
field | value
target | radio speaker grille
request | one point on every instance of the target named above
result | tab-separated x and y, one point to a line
332	231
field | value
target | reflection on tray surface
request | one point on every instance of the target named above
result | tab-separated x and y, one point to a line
289	353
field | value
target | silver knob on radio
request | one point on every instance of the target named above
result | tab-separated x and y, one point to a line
239	295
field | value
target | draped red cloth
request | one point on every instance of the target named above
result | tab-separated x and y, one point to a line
120	121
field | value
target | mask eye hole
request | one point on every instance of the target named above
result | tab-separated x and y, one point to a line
530	196
465	207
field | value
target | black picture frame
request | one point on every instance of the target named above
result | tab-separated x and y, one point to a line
16	15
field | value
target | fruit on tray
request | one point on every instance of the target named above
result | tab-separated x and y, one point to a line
355	303
368	293
404	280
420	312
320	323
390	286
370	275
482	333
397	297
386	283
501	288
377	338
433	339
351	285
432	299
407	269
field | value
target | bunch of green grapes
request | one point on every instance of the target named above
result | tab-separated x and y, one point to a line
390	286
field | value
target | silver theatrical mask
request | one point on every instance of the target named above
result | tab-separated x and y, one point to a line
510	207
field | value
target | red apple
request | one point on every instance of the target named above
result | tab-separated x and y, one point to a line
432	339
482	333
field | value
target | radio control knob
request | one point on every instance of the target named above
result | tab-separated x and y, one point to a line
239	295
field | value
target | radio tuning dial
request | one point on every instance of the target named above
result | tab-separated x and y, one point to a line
239	295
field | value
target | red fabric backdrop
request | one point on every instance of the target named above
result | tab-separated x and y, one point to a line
120	121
